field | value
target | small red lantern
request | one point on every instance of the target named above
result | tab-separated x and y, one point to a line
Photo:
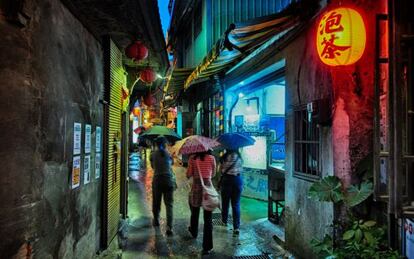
147	75
137	51
136	111
149	100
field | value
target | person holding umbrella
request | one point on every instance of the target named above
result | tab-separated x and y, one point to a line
201	163
231	183
163	183
204	164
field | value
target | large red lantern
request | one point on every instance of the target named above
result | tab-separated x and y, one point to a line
341	37
149	100
137	51
147	75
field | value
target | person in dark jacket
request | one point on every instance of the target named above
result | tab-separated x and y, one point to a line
163	183
231	186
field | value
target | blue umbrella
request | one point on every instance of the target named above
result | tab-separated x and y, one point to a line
235	140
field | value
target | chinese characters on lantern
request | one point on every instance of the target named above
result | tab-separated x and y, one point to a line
331	25
341	37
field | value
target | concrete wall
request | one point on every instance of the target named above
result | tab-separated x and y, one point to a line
51	75
345	143
305	218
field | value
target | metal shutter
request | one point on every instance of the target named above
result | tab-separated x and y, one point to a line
115	78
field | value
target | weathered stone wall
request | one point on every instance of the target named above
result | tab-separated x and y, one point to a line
345	143
307	80
51	75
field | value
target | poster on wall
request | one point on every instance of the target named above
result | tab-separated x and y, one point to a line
87	169
88	129
77	138
409	238
98	139
76	168
98	165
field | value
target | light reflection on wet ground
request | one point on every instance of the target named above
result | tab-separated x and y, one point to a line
145	241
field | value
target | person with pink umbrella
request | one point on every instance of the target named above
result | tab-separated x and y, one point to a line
201	164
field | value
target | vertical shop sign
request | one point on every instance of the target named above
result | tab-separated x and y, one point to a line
98	139
88	129
98	165
87	169
77	138
409	238
76	168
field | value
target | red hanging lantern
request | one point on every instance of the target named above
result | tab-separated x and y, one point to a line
147	75
136	111
149	100
137	51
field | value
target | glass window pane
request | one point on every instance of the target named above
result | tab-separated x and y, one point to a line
383	39
383	107
383	180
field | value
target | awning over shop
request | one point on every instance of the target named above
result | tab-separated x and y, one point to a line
175	82
238	42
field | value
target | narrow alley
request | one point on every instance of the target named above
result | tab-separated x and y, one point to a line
145	241
294	116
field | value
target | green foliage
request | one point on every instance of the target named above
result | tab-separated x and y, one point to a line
355	195
360	239
328	189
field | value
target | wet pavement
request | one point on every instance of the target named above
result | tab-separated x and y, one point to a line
145	241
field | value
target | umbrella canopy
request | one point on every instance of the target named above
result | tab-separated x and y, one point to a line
156	131
194	144
235	140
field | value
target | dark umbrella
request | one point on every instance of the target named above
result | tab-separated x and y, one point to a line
156	131
235	140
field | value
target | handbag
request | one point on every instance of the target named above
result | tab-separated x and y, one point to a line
210	198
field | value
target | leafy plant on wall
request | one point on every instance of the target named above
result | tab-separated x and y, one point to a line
359	238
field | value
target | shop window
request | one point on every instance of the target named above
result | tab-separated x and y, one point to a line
307	146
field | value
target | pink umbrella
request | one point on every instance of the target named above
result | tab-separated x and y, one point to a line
194	144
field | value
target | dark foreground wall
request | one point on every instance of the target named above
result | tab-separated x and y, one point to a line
51	75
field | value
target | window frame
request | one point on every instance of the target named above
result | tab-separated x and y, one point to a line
299	174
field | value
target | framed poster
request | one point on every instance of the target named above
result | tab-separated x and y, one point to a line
88	129
76	168
98	165
98	139
77	138
87	169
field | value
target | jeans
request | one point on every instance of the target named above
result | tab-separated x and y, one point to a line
159	190
208	226
231	188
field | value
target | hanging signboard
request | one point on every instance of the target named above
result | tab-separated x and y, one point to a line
77	138
88	129
98	165
98	139
76	168
87	169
